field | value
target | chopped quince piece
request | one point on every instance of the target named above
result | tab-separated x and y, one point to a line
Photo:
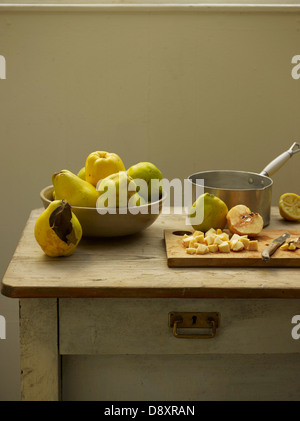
245	241
224	236
209	239
297	243
292	246
196	233
193	243
235	237
210	231
200	238
186	241
218	240
224	247
253	245
219	231
213	248
233	242
202	249
238	246
191	250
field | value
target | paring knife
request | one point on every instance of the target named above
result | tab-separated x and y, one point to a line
271	248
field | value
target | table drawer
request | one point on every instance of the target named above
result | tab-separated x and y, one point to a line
140	326
205	377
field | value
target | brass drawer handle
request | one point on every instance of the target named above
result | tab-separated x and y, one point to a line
194	321
194	335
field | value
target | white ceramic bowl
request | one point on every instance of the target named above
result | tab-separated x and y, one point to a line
111	225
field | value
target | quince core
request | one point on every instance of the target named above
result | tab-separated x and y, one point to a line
242	221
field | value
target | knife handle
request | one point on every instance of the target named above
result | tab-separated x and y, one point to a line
269	250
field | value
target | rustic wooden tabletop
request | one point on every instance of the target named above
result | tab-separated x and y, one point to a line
136	266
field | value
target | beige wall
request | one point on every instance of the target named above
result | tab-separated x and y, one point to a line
188	91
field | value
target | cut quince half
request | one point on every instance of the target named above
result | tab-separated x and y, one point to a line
242	221
289	206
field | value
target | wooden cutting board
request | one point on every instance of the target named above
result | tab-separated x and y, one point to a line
177	256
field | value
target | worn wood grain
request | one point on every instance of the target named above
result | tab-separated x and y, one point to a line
137	266
40	359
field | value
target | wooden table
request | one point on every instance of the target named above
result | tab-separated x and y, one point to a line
94	326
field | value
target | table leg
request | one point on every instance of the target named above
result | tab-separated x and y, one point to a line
40	359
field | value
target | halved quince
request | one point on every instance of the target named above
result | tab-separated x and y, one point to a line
242	221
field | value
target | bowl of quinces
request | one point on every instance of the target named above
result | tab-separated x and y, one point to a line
106	199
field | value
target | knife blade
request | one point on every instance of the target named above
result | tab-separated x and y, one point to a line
271	248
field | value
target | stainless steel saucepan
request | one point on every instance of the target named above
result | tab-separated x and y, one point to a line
242	187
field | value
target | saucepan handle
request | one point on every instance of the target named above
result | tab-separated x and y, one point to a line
278	162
